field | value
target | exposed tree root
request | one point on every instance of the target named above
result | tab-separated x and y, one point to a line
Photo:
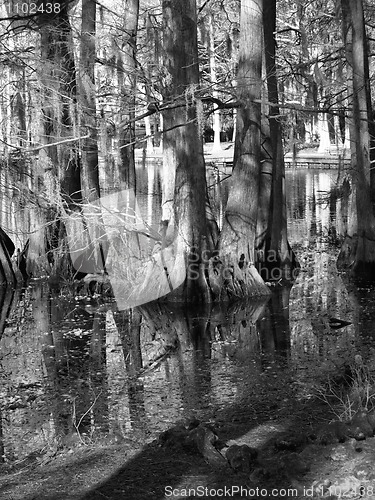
357	254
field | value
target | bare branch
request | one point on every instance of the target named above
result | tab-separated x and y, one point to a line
38	148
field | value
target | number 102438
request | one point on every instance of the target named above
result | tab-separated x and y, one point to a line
34	8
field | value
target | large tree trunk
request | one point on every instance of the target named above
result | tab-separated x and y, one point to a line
58	78
60	100
358	250
181	66
177	265
238	276
87	94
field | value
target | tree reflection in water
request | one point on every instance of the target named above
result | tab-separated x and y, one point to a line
75	369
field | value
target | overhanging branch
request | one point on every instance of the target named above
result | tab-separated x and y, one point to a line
38	148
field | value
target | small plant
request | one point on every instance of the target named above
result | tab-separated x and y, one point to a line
363	384
353	390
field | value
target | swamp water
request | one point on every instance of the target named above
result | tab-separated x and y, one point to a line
76	370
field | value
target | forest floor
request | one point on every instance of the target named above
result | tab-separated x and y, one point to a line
278	424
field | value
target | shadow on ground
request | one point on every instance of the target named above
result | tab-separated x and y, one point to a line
163	472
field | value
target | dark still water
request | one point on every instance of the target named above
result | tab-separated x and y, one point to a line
76	370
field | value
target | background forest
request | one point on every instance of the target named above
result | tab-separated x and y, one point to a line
89	88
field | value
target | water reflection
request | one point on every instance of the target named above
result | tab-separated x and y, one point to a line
311	211
75	370
88	372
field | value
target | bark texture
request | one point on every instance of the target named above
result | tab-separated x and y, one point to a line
358	250
182	72
87	94
59	105
276	259
126	68
47	250
236	274
89	146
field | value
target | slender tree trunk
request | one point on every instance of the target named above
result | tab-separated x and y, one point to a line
169	118
92	217
169	171
216	115
279	258
262	241
127	79
239	277
324	140
149	144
